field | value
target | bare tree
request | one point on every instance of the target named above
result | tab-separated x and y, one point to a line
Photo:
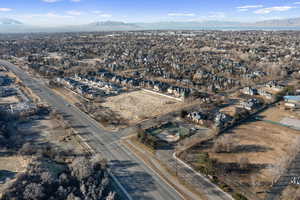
244	163
253	181
224	144
111	196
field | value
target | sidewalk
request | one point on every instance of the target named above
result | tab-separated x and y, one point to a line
199	184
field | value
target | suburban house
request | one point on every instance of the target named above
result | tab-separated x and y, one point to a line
197	117
222	120
251	104
265	94
292	101
274	85
249	91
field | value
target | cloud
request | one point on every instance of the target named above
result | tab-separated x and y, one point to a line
53	15
50	1
74	12
5	9
247	7
97	12
273	9
105	15
50	19
297	3
46	15
250	6
216	15
101	14
54	1
181	14
243	10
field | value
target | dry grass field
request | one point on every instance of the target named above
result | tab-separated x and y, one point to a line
13	163
268	147
262	143
51	131
10	166
276	114
229	110
140	105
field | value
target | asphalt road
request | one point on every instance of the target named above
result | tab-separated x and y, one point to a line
203	184
136	179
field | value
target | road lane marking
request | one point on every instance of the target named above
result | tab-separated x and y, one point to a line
163	179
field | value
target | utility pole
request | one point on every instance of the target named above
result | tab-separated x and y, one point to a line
176	162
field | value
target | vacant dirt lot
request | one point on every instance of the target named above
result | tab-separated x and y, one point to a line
140	105
49	131
290	193
10	166
13	163
267	147
262	143
276	114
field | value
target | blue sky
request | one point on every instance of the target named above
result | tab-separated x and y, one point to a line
63	12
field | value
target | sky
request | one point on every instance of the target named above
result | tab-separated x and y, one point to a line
74	12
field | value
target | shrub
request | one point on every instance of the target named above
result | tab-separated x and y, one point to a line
238	196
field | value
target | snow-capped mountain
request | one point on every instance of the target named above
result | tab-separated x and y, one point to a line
7	21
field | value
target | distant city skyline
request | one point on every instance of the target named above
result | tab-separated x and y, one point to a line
75	12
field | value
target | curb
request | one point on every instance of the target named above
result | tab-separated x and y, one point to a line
198	174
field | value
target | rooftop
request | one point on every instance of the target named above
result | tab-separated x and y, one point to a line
292	98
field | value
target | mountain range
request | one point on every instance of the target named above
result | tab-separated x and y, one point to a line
292	22
7	21
10	25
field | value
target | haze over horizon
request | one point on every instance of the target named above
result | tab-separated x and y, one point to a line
76	12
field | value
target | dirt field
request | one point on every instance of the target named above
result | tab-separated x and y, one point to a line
10	166
276	114
272	91
13	163
39	132
269	142
50	130
229	110
291	193
140	105
267	147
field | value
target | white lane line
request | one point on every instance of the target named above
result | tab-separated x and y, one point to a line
113	177
128	151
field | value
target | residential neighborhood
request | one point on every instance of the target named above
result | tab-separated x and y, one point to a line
217	109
